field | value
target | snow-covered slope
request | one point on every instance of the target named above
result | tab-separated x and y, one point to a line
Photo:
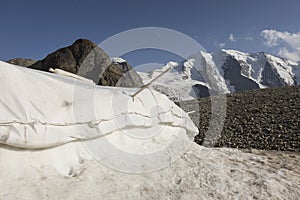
188	79
175	83
48	121
224	71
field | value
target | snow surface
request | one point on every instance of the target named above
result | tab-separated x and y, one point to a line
283	68
118	60
201	173
40	113
215	80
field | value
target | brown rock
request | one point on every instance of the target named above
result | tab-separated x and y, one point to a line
21	62
86	59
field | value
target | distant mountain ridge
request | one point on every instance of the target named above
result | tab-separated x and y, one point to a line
224	71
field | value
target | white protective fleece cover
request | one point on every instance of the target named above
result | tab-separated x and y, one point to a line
41	110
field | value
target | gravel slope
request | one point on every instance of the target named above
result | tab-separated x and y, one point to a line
267	119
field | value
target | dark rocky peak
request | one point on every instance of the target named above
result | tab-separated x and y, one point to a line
71	58
87	59
82	47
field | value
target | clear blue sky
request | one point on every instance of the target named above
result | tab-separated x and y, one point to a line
34	28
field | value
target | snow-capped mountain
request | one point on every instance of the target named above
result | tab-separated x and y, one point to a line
224	71
260	70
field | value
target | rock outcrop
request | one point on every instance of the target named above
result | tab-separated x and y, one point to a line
24	62
86	59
